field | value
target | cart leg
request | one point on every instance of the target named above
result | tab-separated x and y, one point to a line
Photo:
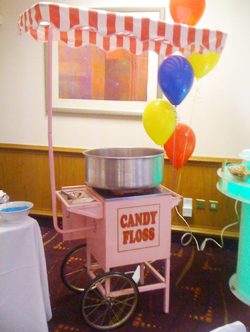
88	258
166	290
142	273
107	287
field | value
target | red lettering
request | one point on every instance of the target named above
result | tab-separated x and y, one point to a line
130	221
138	235
145	234
146	218
132	240
131	236
122	221
153	214
151	232
138	219
125	237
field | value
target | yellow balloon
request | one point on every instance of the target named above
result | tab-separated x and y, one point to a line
203	64
159	120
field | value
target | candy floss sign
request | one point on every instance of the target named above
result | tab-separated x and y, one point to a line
138	227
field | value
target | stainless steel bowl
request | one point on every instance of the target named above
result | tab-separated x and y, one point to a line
124	168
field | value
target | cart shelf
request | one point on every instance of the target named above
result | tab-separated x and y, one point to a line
88	205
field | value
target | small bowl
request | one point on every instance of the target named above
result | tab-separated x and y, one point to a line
15	212
239	172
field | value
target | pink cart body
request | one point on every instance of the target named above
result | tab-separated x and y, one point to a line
125	230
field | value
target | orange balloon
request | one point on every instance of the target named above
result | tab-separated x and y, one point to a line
180	145
187	11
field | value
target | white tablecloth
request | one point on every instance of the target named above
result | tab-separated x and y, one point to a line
24	293
233	327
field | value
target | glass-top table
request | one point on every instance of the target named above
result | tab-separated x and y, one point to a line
238	190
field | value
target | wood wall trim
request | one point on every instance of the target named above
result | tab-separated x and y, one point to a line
39	148
192	160
206	231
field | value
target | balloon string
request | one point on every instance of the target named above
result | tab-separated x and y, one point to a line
179	180
197	99
173	162
176	119
172	178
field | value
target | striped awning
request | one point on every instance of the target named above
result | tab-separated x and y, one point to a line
111	30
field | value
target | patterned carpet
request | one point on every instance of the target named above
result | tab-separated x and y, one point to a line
200	298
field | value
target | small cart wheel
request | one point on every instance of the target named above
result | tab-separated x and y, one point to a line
109	300
73	269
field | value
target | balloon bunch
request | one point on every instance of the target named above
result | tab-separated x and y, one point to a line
175	77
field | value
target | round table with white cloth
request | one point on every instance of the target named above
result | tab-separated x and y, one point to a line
24	293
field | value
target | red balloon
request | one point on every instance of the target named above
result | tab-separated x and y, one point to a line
180	145
187	11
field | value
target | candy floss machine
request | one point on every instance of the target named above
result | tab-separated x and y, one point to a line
122	213
123	227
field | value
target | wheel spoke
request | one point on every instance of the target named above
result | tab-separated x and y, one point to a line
97	293
74	276
101	315
124	301
73	271
96	306
104	315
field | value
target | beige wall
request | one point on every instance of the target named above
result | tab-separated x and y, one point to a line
217	110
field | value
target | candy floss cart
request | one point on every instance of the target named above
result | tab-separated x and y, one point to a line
122	211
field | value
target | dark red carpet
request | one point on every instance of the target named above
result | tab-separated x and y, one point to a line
200	298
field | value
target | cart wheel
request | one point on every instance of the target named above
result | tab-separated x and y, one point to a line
73	269
103	309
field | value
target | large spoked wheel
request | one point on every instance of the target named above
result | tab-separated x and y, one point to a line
109	301
74	271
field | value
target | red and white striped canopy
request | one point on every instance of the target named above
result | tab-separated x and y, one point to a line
110	30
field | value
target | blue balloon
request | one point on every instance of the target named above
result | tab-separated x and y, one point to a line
175	77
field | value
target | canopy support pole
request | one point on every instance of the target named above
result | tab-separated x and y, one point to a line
50	143
51	154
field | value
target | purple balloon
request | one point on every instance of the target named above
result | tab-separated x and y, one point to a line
175	77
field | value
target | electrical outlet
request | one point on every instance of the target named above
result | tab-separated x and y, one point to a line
187	207
200	204
213	205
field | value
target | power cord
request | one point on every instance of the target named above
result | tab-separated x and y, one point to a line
203	245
